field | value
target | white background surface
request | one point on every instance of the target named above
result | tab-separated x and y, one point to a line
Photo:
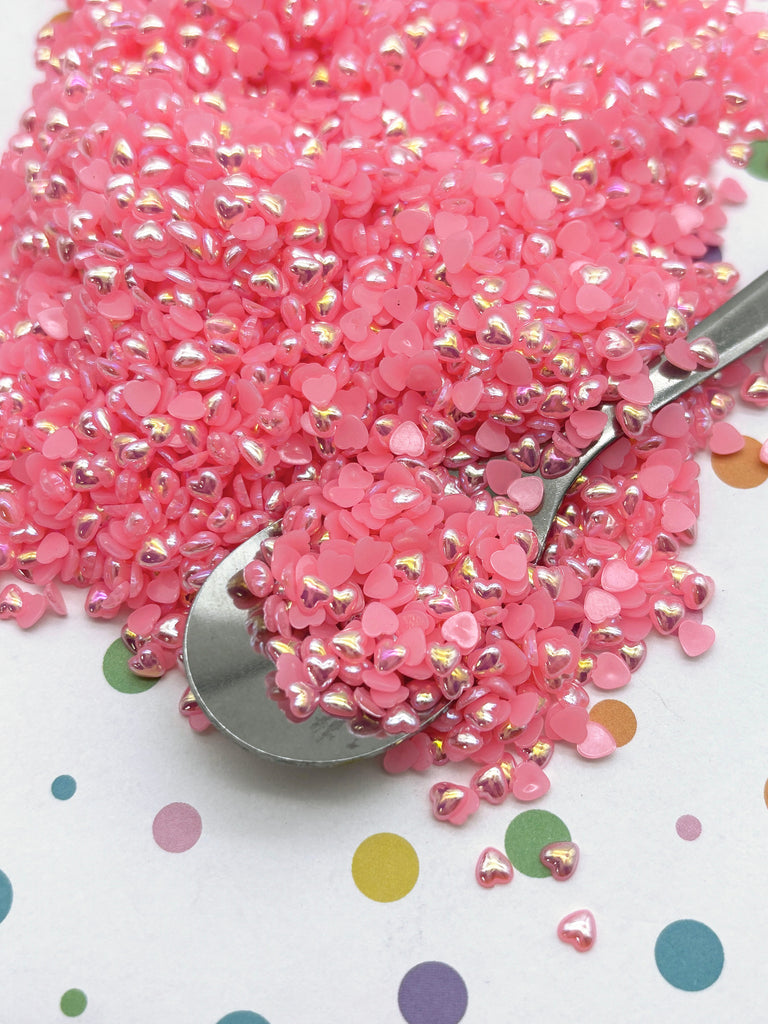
262	913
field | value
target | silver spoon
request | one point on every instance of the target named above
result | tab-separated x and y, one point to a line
227	676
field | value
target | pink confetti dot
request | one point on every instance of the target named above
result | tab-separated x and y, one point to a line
688	827
177	827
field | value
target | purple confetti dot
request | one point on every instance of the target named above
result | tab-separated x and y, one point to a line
432	993
688	827
177	827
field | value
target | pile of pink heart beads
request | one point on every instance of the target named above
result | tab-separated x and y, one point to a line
344	264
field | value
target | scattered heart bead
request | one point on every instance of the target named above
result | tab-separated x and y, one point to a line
598	742
493	868
695	637
453	803
561	859
578	929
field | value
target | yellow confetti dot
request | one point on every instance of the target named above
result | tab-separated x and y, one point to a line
742	469
617	717
385	867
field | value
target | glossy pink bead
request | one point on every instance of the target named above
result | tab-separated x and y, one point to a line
493	868
578	929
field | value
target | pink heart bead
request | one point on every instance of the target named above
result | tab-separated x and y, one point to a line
493	868
610	672
32	610
695	637
461	629
510	562
579	930
598	743
320	389
453	803
725	439
560	858
529	782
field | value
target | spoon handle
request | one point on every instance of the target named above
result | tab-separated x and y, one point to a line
735	328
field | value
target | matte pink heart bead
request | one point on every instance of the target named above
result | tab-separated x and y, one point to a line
598	742
695	637
527	492
461	629
529	782
725	439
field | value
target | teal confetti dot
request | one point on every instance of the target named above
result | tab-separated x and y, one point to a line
73	1002
689	955
6	895
63	787
243	1017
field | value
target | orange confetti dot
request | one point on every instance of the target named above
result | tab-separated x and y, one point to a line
617	717
743	469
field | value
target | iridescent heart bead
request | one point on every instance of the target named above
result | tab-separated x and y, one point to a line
493	782
667	612
493	868
578	929
452	802
560	859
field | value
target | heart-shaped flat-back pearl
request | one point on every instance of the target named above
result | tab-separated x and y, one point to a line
493	868
579	930
560	859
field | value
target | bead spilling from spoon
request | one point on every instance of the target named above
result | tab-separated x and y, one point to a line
378	631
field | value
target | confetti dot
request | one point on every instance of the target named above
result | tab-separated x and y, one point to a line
432	993
6	895
385	867
757	165
527	834
743	469
617	717
243	1017
689	955
177	827
63	787
73	1002
688	827
765	792
117	673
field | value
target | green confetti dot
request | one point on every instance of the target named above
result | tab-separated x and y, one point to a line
758	161
117	673
73	1002
527	834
